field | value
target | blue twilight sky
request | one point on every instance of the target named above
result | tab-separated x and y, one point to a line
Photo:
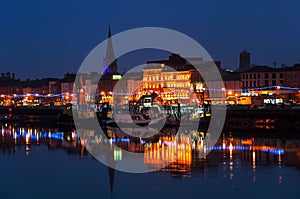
48	38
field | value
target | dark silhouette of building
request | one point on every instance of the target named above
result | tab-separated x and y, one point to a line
244	61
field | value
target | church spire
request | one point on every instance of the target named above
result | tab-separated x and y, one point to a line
109	33
110	63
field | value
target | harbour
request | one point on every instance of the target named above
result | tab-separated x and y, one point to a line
256	119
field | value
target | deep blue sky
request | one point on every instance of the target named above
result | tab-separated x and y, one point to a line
49	38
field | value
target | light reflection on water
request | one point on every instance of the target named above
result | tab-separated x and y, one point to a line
234	164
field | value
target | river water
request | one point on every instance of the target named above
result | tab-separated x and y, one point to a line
53	163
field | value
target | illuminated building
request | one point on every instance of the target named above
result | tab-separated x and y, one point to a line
177	78
267	85
169	84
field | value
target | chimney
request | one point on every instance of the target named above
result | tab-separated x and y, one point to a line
8	75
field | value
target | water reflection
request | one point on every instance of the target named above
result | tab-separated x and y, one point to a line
13	137
185	153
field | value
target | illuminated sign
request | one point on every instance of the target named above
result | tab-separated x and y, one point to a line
116	77
147	102
273	101
117	154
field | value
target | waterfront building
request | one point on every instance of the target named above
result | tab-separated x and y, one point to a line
172	79
267	85
9	85
291	76
91	86
262	76
169	84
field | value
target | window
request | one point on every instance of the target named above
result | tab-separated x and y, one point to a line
266	82
246	76
243	84
281	75
254	83
274	75
254	76
246	83
250	76
258	76
273	82
281	82
266	75
250	83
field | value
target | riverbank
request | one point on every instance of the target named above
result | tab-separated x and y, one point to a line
245	119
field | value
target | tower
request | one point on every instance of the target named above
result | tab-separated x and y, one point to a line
110	66
244	61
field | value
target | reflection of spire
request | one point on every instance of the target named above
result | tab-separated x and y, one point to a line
111	173
110	63
110	167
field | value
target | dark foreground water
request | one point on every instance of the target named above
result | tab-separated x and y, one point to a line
49	163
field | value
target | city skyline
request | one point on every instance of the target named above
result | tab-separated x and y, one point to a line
18	76
37	45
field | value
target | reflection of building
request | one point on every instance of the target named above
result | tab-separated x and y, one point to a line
12	136
169	151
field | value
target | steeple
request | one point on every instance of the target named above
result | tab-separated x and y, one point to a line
109	33
110	63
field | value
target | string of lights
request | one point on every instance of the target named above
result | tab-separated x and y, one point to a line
118	93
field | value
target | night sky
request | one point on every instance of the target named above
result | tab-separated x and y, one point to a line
49	38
